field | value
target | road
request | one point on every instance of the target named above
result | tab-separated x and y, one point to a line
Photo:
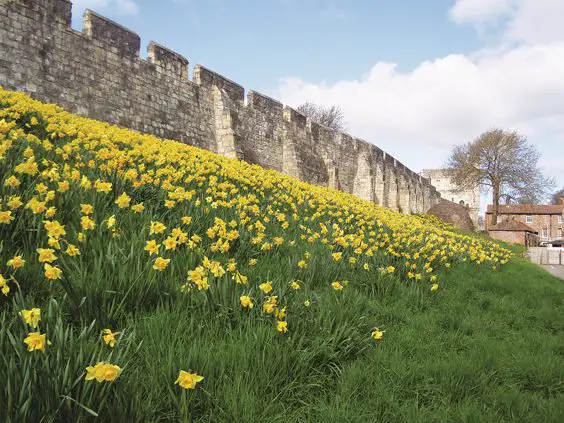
557	271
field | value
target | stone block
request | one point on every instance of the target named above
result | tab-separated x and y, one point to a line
553	257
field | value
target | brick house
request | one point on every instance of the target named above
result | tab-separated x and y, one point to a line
511	230
546	220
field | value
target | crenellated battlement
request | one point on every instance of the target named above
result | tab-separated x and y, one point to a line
260	101
167	61
99	73
208	78
295	117
117	38
59	11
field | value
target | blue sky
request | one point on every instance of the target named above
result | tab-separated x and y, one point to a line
413	77
258	42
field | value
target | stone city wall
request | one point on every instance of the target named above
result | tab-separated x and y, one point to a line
543	255
99	73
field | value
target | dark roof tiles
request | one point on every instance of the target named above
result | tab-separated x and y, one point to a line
512	226
528	209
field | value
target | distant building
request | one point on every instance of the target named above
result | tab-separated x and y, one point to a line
515	232
470	198
546	220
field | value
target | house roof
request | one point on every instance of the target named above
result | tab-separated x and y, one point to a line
528	209
510	225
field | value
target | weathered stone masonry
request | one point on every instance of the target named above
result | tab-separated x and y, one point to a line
98	73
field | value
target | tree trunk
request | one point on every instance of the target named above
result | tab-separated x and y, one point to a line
495	202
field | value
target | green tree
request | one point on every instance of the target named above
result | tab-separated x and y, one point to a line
502	162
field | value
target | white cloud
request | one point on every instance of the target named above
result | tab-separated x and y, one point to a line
479	10
417	116
527	21
537	21
124	7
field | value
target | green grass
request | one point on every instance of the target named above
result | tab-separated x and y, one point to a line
486	347
489	348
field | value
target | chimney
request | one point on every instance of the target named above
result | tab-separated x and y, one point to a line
562	200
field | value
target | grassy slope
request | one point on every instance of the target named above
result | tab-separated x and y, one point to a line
490	348
487	346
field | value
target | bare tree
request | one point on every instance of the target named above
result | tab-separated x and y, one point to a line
330	116
503	162
557	196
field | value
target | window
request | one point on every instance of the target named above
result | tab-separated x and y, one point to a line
545	232
559	233
529	219
559	218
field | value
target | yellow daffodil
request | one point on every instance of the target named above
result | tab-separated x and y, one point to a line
123	201
337	256
12	182
246	301
282	326
377	334
188	380
54	229
6	217
15	202
269	304
111	221
16	262
87	223
266	287
103	372
157	228
109	337
161	264
170	243
4	286
86	209
36	341
46	255
32	317
52	272
337	286
240	279
152	247
63	186
138	208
